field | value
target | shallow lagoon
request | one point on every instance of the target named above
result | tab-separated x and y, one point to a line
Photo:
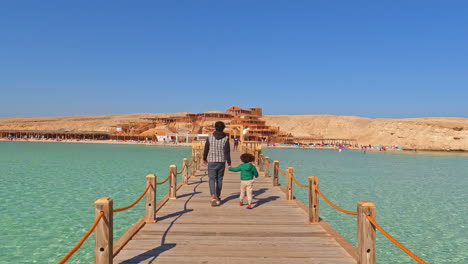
47	194
48	191
421	199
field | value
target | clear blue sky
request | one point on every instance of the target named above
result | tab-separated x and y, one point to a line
386	58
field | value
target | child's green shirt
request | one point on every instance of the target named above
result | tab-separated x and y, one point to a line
248	171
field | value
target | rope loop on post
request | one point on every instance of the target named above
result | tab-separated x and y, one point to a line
332	204
133	204
82	240
394	241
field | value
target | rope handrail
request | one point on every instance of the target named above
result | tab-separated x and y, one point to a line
183	169
280	171
299	184
168	176
191	162
332	204
392	239
82	240
133	204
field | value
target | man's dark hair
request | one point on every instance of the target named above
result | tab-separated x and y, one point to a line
219	126
246	157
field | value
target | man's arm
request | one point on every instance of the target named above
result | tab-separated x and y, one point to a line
227	152
205	151
235	169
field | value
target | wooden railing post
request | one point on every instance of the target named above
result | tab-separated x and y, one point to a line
275	173
267	170
104	239
289	183
173	182
365	233
186	175
150	213
260	163
313	200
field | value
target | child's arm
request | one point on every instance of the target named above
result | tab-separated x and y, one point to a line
255	172
235	169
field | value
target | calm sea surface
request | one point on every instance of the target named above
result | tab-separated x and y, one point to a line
47	194
421	199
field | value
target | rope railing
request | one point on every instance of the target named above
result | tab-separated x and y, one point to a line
332	204
191	162
181	171
135	202
168	176
280	171
82	240
104	207
298	183
314	211
394	241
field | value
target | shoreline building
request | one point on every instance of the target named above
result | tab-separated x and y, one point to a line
246	124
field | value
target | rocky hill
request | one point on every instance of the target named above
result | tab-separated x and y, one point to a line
422	133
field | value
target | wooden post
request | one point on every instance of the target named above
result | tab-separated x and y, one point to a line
267	170
103	233
173	182
192	168
186	175
150	213
198	160
275	173
289	183
260	162
365	233
313	200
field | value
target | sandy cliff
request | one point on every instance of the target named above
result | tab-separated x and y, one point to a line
421	133
435	133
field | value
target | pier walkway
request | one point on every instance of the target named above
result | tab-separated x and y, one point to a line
189	230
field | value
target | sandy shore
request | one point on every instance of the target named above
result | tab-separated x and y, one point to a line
426	133
102	142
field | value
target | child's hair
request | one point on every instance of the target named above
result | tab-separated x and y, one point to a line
246	157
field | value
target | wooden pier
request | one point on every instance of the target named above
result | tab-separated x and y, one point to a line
189	230
183	227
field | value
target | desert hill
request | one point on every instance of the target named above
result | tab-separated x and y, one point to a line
437	133
431	133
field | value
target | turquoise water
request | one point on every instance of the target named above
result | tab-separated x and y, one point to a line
47	194
421	199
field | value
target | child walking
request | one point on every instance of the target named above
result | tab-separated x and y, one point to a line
248	172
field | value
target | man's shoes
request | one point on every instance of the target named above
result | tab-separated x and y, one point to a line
241	203
218	202
249	206
214	202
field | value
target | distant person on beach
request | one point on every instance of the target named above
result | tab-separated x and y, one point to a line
216	153
236	144
247	174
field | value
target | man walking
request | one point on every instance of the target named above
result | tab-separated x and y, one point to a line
217	152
